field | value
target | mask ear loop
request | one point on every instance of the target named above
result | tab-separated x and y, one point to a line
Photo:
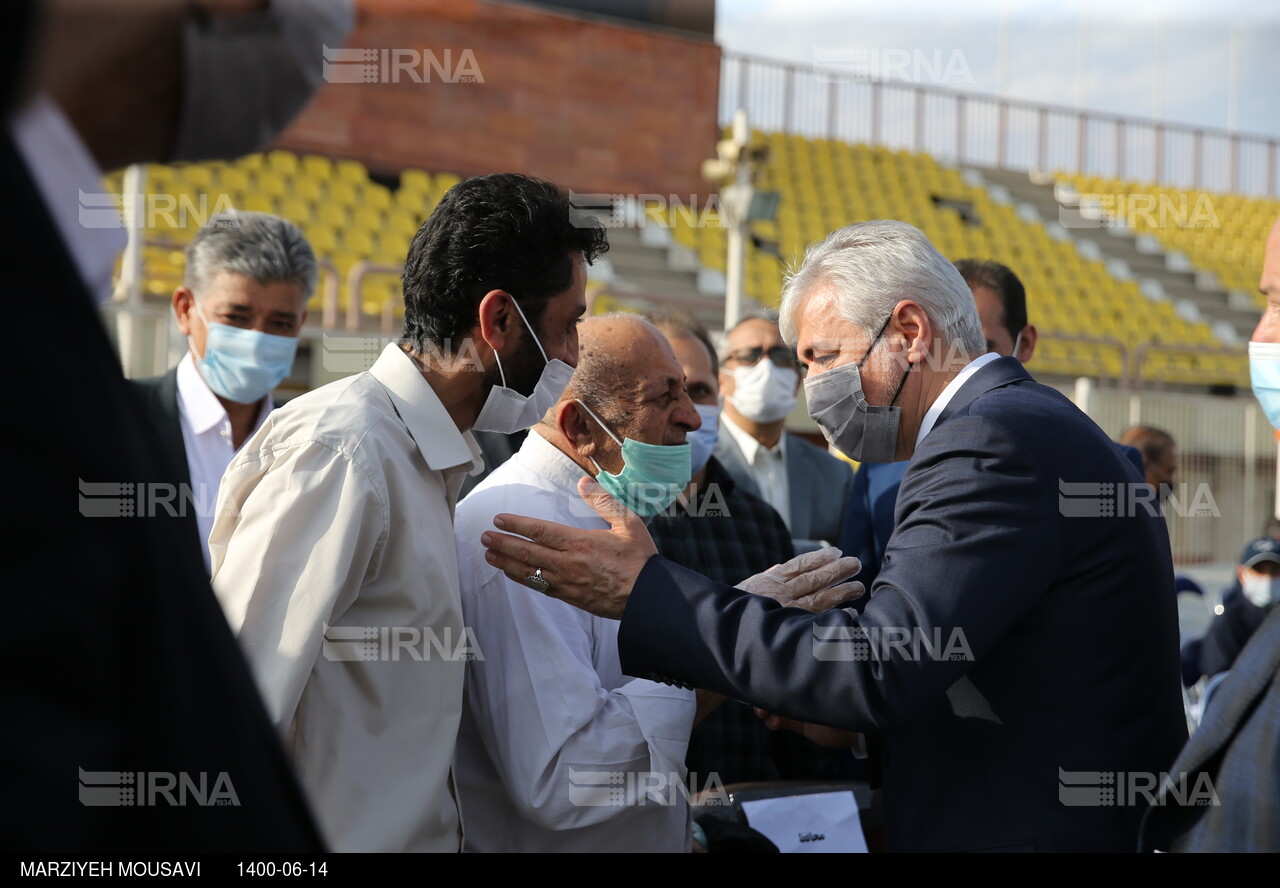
501	373
529	327
592	413
598	420
872	346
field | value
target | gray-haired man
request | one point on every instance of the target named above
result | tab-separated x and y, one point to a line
241	306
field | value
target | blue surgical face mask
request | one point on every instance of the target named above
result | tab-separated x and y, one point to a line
652	475
244	365
1264	370
703	440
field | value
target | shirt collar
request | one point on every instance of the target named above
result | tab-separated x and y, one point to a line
200	405
749	446
549	461
69	180
935	409
431	426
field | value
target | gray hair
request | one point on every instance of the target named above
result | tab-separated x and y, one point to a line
871	267
264	248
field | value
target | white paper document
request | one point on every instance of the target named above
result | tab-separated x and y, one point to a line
821	823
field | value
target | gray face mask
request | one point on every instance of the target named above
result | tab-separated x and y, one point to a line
857	429
246	76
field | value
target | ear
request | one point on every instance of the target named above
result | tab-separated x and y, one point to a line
184	303
1027	347
302	320
576	426
495	319
912	324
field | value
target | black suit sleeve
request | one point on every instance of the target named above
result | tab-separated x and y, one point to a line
974	549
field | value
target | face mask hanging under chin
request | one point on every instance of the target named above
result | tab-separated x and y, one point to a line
507	411
652	476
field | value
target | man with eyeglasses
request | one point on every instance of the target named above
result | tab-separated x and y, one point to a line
759	378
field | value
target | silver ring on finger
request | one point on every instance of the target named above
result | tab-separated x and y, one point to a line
536	582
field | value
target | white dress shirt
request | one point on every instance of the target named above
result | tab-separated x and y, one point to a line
206	435
557	745
935	409
768	467
334	561
70	182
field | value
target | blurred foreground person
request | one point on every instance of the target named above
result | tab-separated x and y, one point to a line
143	689
1237	745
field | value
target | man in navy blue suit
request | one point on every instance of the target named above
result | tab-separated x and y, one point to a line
1002	309
1020	633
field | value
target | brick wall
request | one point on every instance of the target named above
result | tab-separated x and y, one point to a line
590	105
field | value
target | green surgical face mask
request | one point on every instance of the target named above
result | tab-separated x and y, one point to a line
652	475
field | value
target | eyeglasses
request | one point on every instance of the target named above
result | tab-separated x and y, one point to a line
779	354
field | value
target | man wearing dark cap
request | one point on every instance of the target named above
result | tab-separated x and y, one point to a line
1230	631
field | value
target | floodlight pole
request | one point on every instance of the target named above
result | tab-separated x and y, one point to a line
735	206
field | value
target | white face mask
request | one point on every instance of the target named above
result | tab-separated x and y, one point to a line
764	392
1260	589
506	410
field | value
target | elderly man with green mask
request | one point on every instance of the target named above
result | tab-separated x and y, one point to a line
558	749
548	708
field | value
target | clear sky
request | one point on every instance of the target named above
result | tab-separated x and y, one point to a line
1042	47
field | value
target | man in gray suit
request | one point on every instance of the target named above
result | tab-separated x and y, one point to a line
809	488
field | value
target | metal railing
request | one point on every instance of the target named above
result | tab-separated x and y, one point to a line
969	128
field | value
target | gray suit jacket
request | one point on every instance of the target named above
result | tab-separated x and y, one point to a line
819	486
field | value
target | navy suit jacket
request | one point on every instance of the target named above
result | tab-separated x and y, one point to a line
1004	642
1236	750
818	487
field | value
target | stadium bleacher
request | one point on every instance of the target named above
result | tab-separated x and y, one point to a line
1221	233
824	184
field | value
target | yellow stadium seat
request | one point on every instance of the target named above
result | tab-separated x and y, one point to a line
415	180
283	162
370	221
317	167
272	183
344	193
333	215
351	171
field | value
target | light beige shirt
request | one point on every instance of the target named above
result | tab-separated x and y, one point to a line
334	560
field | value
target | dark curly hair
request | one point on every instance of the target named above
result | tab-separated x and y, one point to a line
503	231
